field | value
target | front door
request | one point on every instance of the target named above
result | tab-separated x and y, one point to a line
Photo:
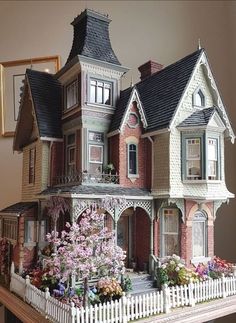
124	236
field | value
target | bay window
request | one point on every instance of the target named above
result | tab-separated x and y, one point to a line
200	157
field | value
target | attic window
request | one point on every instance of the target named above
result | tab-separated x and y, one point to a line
199	98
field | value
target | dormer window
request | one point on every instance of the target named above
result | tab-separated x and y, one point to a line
71	94
199	98
100	92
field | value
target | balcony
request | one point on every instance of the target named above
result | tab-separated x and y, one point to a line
77	178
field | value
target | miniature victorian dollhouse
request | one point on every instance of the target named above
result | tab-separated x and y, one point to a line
154	151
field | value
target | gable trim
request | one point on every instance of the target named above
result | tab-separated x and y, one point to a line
134	97
174	117
202	60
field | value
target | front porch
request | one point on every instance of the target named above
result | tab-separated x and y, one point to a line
132	220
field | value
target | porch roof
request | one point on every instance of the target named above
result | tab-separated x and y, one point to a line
97	190
18	208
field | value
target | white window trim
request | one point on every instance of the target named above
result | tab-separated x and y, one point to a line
202	218
199	88
163	233
97	79
128	160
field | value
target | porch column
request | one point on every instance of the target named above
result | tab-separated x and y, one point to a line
116	213
151	264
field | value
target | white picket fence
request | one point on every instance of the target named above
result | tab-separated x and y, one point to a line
127	308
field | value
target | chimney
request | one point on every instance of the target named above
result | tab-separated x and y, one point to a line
149	68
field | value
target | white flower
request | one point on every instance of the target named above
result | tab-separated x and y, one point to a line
176	257
163	266
172	262
177	268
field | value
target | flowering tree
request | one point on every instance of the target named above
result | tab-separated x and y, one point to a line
85	249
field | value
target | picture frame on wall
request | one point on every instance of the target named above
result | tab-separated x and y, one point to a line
12	75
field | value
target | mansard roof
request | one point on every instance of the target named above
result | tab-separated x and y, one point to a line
19	208
91	37
46	94
198	118
160	93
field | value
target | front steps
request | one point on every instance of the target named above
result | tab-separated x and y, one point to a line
141	284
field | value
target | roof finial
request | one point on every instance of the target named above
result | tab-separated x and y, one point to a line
199	44
131	81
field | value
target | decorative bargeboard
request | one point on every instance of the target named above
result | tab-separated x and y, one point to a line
12	74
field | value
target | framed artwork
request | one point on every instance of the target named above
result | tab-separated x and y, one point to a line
12	75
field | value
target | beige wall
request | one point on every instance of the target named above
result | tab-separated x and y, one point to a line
162	30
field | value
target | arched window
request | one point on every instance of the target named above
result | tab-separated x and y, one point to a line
199	98
170	241
199	235
132	161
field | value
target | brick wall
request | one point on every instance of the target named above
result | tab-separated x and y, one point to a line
186	229
133	135
23	253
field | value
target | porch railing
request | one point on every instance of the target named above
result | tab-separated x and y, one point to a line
87	178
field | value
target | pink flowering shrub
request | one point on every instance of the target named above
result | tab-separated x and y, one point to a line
85	249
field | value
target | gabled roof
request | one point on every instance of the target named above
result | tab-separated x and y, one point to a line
46	93
198	118
19	208
91	37
160	93
46	107
120	110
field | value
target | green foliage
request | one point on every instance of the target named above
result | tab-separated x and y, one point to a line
126	284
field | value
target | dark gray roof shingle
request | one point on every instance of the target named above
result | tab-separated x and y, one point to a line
19	208
198	118
161	92
98	190
46	93
120	110
91	37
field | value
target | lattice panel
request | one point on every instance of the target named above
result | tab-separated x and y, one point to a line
144	204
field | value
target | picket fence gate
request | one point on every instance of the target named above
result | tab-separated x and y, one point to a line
127	308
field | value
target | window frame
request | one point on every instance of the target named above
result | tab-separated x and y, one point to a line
199	92
74	103
204	162
32	164
105	82
136	174
217	176
200	217
70	167
164	233
96	142
10	225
